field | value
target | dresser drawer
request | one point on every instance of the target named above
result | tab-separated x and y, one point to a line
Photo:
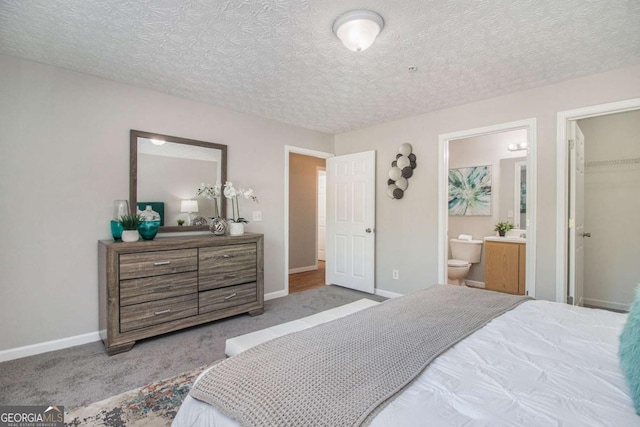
136	291
226	266
155	312
231	296
145	264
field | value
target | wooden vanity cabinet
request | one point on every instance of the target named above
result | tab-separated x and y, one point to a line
505	264
148	288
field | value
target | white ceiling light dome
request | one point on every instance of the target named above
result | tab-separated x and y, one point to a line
358	29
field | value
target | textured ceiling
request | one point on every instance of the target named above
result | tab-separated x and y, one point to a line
279	58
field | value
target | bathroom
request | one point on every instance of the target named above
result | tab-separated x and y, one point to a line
501	157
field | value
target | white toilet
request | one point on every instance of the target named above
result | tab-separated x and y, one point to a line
464	253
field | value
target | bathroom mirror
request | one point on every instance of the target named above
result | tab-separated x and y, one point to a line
513	191
520	194
167	170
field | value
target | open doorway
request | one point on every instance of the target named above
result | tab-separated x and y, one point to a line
598	204
505	206
306	225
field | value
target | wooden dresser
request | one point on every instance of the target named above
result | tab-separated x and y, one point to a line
148	288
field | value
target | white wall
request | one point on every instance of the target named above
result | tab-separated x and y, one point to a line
407	229
482	151
64	158
612	203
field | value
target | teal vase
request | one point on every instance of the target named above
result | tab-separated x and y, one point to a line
116	230
148	229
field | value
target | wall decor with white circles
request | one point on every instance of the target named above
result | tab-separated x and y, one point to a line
401	170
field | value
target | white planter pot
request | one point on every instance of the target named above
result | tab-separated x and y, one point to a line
130	236
236	228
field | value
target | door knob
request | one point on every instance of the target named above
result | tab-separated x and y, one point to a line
586	234
368	230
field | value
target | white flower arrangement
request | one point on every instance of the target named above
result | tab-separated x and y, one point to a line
211	192
230	192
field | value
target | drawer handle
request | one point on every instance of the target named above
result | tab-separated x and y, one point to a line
229	276
168	310
230	296
162	263
162	288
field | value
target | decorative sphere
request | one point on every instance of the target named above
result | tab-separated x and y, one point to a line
391	189
403	162
394	164
398	193
218	226
402	184
407	172
413	165
405	149
412	157
395	173
390	181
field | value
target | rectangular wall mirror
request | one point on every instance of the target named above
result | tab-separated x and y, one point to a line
166	171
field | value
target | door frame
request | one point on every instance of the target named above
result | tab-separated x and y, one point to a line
443	178
562	188
288	149
318	170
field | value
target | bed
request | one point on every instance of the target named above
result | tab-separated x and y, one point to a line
538	364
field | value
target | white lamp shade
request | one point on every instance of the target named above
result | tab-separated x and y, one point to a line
189	206
358	29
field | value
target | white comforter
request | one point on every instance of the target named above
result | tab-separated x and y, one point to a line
541	364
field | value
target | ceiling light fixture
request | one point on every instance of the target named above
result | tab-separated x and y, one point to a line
157	141
358	29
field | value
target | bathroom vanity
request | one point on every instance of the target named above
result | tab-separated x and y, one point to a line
505	264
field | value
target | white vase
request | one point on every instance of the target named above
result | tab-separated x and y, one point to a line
236	228
130	236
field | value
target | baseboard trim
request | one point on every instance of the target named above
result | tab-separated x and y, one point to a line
45	347
274	295
475	284
303	269
387	294
606	304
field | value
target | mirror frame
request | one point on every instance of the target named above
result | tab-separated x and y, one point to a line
133	172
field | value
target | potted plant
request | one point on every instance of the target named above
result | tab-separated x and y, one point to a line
130	224
180	222
503	227
236	224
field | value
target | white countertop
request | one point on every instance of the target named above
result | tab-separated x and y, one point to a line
508	239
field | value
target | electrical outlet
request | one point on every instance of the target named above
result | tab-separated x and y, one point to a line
396	274
257	216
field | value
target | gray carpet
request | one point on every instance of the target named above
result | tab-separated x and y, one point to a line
85	374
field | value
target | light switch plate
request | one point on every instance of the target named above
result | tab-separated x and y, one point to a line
257	216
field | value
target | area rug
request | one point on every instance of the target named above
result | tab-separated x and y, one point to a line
152	405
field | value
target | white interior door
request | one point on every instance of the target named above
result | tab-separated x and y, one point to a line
576	215
351	221
322	214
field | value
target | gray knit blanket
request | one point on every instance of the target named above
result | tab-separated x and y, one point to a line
342	373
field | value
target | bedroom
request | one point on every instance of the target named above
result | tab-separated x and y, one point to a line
65	159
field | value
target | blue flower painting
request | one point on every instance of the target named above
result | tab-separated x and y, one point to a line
470	191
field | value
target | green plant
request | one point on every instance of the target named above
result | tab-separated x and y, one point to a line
503	227
180	221
130	222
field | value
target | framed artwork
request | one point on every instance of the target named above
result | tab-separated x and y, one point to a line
470	191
